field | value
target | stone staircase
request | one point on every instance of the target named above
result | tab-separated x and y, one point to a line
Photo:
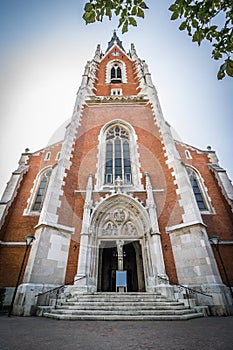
119	306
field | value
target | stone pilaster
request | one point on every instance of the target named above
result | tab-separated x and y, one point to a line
197	268
81	278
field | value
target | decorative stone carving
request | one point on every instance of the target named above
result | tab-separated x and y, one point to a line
119	216
118	223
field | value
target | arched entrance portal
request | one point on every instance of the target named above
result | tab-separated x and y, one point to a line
118	235
109	263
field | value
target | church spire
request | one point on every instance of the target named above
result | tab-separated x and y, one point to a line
114	40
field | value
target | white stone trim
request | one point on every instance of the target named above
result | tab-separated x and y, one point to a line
203	189
11	190
33	192
116	92
224	182
13	244
67	229
187	200
188	154
170	229
58	155
47	156
109	66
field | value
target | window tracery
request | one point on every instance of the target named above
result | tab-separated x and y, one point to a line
118	158
117	164
35	203
41	191
198	190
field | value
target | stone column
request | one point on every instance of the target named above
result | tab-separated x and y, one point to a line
81	278
158	267
120	245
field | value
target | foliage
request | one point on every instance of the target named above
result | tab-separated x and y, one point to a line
126	10
210	20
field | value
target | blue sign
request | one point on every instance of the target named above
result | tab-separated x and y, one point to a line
121	279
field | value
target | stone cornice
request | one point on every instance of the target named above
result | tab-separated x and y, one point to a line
185	225
55	226
117	100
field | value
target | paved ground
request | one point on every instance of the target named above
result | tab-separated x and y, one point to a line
37	333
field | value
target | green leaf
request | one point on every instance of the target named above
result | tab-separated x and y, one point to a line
229	67
140	13
108	12
89	17
173	8
217	55
134	11
195	23
132	21
143	5
125	27
121	21
182	26
220	75
88	7
118	10
174	16
198	36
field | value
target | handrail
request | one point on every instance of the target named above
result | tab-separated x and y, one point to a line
187	289
59	287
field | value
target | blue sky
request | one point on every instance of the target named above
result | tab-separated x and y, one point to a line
44	47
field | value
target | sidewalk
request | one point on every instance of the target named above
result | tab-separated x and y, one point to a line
37	333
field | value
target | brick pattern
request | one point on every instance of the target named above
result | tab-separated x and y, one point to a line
219	223
103	89
152	160
17	225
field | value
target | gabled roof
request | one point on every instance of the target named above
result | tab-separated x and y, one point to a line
113	41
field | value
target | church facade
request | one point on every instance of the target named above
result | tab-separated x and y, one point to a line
118	193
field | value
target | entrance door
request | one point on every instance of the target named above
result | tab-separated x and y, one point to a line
108	264
132	263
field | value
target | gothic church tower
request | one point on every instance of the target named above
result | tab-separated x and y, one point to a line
117	194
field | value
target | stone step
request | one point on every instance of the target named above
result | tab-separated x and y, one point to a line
123	298
119	302
119	306
122	312
102	306
71	317
105	299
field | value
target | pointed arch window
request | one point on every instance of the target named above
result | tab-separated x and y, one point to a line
41	190
117	156
198	190
116	74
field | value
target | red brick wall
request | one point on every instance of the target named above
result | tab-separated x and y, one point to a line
103	89
151	157
17	225
219	223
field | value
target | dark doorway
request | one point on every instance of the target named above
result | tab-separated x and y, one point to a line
108	264
132	263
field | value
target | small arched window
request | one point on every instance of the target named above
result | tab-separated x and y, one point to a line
58	155
117	156
116	74
198	189
187	154
47	156
41	191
